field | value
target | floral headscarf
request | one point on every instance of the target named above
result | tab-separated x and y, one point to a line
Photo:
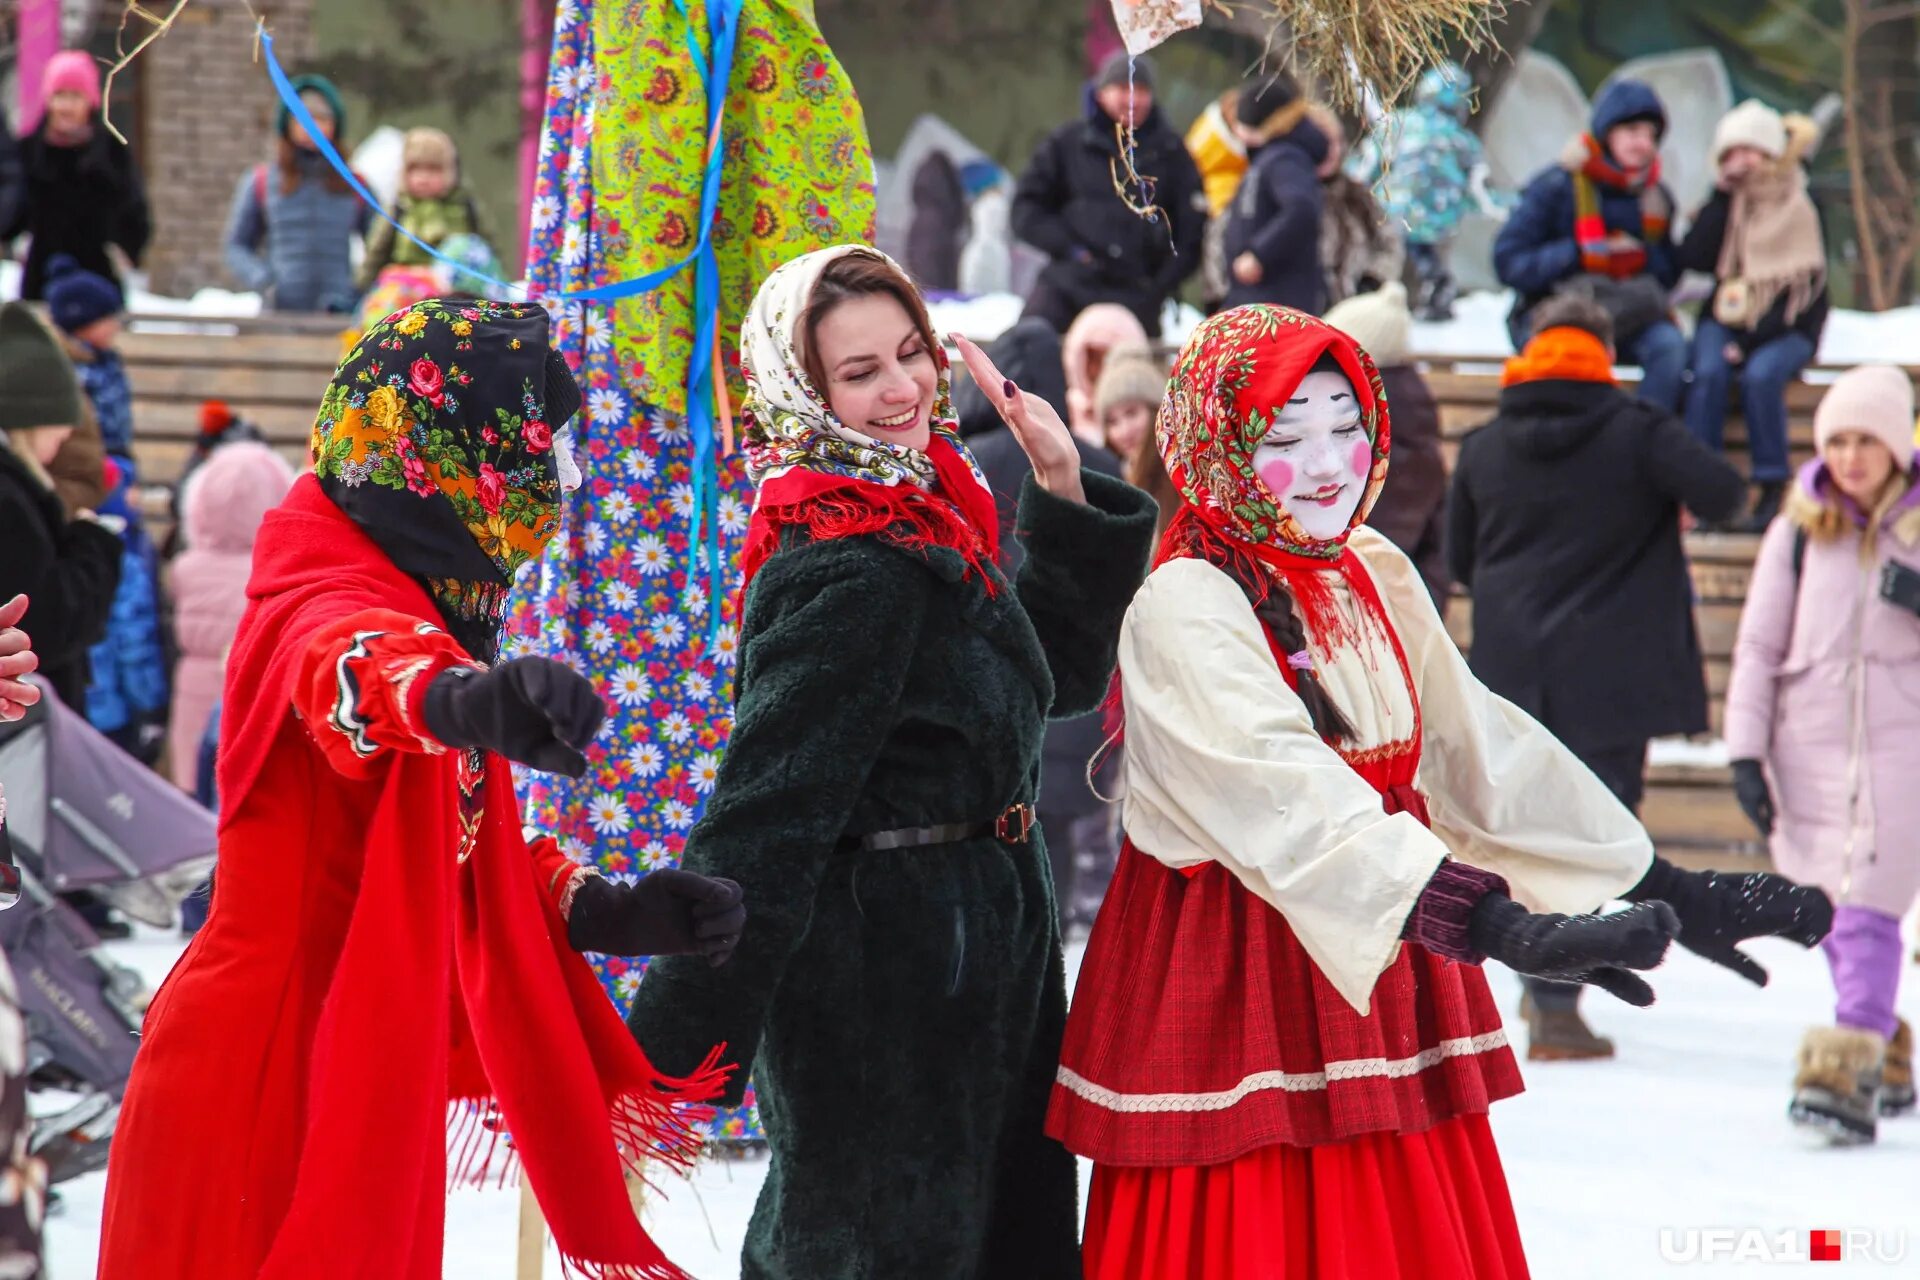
808	468
436	438
1235	373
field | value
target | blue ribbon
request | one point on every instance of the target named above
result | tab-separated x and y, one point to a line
716	71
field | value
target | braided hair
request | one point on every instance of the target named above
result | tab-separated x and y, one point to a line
1273	604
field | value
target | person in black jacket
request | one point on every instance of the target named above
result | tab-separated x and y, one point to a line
1760	236
83	192
13	181
67	569
1065	206
1273	225
1070	810
1564	523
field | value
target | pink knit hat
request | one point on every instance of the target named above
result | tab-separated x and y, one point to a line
1876	399
72	71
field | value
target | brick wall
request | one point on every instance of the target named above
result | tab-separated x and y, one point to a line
207	113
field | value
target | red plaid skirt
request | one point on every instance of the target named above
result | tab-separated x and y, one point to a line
1201	1030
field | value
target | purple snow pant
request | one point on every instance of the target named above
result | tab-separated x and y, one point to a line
1864	952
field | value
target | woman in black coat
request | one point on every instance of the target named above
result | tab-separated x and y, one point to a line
83	192
67	569
899	990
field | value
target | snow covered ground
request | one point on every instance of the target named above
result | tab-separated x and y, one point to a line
1684	1130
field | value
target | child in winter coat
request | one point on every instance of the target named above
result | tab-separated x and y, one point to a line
1429	170
432	205
68	568
83	191
127	699
1095	335
1823	724
1413	506
290	231
1126	400
86	308
1760	236
222	505
1273	232
1600	221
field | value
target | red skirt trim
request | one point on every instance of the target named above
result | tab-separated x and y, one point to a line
1427	1206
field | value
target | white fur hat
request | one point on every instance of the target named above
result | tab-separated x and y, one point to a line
1751	124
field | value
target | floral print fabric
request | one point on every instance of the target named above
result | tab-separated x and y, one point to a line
617	194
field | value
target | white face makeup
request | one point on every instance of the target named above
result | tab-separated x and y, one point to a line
1316	457
570	477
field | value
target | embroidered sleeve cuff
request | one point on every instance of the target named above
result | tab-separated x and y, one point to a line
1443	914
363	681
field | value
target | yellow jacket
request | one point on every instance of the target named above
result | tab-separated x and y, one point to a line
1219	155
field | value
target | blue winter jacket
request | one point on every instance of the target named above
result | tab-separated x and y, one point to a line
130	665
1276	217
1536	251
103	376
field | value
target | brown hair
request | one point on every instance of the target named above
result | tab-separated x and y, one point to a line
1147	470
1573	311
288	162
862	273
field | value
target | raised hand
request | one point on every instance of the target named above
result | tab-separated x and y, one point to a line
1048	444
1595	949
17	659
533	711
1718	910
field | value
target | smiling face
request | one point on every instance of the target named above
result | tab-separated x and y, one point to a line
876	369
1635	144
1316	457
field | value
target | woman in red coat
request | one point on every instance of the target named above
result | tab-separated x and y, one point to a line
390	972
1281	1050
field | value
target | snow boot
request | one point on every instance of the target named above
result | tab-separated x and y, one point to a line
1837	1088
1766	505
1560	1034
1896	1079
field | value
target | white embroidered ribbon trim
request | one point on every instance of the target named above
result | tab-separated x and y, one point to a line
1287	1081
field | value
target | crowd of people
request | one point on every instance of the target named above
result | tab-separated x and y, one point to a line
1216	588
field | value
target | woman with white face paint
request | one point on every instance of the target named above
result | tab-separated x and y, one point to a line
1281	1050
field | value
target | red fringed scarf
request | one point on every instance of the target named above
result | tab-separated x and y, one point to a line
957	514
456	1012
1596	169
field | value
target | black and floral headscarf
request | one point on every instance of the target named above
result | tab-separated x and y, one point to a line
436	438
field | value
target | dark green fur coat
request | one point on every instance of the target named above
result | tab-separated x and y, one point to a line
901	1011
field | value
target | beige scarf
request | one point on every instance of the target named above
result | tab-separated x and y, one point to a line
1772	247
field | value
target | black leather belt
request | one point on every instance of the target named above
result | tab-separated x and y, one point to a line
1015	826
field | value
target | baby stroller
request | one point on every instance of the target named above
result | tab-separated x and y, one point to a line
82	814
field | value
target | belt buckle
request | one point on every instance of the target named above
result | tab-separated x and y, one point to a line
1004	826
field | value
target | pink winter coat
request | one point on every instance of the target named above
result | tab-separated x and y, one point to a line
224	501
1826	690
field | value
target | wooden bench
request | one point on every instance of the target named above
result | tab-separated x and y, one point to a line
271	371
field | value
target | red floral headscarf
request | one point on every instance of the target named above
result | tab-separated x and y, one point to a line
1235	373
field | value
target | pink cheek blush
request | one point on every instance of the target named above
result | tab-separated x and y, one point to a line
1277	476
1362	460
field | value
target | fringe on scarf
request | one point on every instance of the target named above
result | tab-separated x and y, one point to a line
909	518
657	1126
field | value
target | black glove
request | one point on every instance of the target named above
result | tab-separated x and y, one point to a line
665	913
533	711
1718	910
1594	949
1756	799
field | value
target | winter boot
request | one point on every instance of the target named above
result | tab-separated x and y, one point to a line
1766	505
1560	1034
1896	1080
1836	1090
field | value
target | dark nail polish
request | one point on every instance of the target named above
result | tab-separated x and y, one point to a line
1009	387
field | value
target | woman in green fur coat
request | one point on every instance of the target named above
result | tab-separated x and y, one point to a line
899	992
